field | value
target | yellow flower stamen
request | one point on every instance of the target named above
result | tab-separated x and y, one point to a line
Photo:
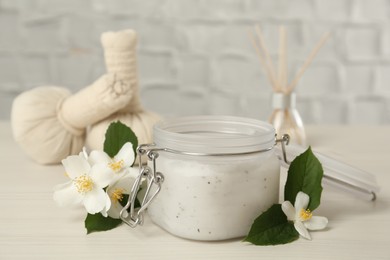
305	214
116	166
83	183
117	195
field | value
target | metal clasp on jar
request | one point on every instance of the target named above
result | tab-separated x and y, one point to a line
152	177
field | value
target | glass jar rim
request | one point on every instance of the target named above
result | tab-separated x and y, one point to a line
214	134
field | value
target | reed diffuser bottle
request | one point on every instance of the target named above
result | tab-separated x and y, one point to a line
285	117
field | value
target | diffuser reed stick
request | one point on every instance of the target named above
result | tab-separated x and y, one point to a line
282	71
263	62
307	62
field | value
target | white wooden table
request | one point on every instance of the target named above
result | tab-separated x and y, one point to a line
33	227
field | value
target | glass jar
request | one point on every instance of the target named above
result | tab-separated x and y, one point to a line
219	173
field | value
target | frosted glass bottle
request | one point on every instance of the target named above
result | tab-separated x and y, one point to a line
286	118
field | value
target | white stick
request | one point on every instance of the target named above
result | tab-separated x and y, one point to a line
263	62
268	59
282	71
307	62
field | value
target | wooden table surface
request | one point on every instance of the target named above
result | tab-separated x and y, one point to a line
32	226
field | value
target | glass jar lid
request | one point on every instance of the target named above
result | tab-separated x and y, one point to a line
214	135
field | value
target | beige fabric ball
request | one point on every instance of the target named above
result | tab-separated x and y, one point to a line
37	128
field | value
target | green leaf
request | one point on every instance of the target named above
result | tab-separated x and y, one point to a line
97	222
117	135
305	174
272	228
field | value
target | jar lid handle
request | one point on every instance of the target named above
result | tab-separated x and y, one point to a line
337	174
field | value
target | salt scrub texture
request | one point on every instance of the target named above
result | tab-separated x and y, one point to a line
214	199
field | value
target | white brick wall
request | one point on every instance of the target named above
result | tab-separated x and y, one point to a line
195	57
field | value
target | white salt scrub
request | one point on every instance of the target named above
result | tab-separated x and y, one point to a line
214	197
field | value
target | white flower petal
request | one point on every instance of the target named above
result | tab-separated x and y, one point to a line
125	183
98	157
106	208
126	154
302	230
126	177
115	209
125	214
133	172
301	201
84	153
104	213
108	203
121	174
95	200
66	194
316	223
102	175
288	210
75	166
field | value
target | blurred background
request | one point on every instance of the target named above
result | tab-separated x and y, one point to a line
195	57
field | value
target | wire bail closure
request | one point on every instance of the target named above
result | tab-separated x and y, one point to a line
154	178
285	140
